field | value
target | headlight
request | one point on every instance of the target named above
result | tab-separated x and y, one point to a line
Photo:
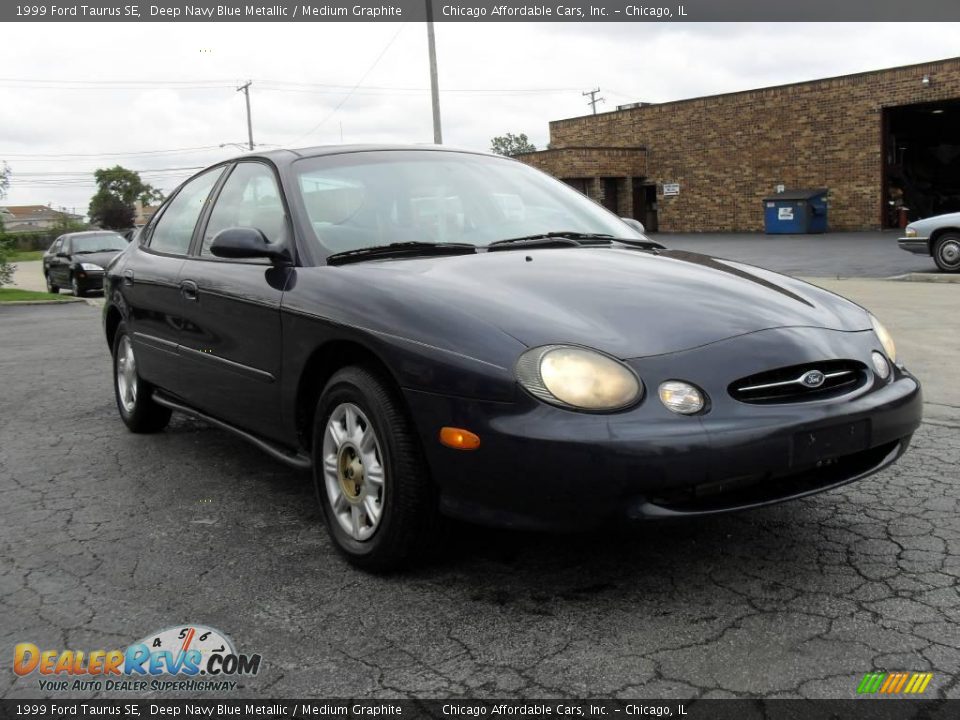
681	397
578	378
90	266
910	232
880	365
885	338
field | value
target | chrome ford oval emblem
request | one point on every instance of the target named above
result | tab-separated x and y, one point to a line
813	379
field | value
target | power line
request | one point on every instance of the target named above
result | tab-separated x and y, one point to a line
87	172
108	82
130	153
354	88
412	92
333	87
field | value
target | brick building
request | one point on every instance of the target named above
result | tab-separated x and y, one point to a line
878	140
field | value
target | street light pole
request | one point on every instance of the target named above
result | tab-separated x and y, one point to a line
434	86
245	88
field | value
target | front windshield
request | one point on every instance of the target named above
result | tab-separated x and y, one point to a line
100	241
366	199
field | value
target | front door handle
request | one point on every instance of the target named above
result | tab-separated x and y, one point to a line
188	289
128	277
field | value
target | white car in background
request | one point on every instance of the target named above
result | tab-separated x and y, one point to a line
937	236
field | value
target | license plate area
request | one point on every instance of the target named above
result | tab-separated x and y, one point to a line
812	446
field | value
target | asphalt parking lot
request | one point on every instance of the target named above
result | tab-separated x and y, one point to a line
852	254
107	536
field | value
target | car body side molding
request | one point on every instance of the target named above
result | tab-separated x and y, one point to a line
293	459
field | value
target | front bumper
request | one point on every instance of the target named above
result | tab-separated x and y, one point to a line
547	468
917	245
89	279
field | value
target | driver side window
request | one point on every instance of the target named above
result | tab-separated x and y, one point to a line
250	198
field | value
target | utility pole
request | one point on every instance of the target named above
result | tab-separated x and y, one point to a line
245	88
592	102
434	87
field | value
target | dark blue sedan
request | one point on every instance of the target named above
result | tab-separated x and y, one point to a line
444	333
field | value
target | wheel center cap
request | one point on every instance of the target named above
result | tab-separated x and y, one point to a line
350	472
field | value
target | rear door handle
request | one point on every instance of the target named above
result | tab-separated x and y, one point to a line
188	289
128	277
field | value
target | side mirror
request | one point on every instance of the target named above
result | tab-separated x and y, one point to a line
61	253
241	243
635	224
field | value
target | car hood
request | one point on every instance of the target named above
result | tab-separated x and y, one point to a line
625	302
931	223
101	258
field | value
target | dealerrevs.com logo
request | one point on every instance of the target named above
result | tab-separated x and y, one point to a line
184	657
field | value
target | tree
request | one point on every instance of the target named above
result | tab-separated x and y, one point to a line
110	212
511	144
118	189
6	269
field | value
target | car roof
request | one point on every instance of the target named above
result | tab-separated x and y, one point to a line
286	156
90	232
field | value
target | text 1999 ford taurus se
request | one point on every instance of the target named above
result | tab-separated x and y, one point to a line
451	333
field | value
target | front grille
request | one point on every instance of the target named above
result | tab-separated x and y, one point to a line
788	385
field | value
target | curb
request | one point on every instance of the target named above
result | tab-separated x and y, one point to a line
41	302
927	277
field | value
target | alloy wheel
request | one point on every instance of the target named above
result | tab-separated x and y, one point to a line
127	383
353	472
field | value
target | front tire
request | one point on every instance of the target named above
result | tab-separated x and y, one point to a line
946	253
134	395
75	286
369	474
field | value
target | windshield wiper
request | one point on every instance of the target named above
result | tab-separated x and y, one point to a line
401	249
561	238
645	244
568	238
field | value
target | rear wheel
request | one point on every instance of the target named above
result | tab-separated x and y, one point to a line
134	395
51	288
946	253
371	481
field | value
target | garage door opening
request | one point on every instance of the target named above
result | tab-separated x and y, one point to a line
921	161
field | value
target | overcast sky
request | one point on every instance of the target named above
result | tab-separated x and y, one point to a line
96	91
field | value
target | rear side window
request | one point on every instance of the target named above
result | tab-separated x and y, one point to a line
174	229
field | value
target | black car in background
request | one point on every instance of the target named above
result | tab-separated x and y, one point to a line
446	333
77	260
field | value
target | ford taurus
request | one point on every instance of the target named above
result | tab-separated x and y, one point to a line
438	333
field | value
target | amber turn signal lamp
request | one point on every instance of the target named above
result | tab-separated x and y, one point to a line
459	439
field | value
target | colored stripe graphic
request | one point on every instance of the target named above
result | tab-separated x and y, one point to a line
888	683
901	681
894	683
870	683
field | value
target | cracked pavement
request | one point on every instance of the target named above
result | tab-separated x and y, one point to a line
106	536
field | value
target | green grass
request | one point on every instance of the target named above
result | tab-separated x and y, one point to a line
25	255
15	295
